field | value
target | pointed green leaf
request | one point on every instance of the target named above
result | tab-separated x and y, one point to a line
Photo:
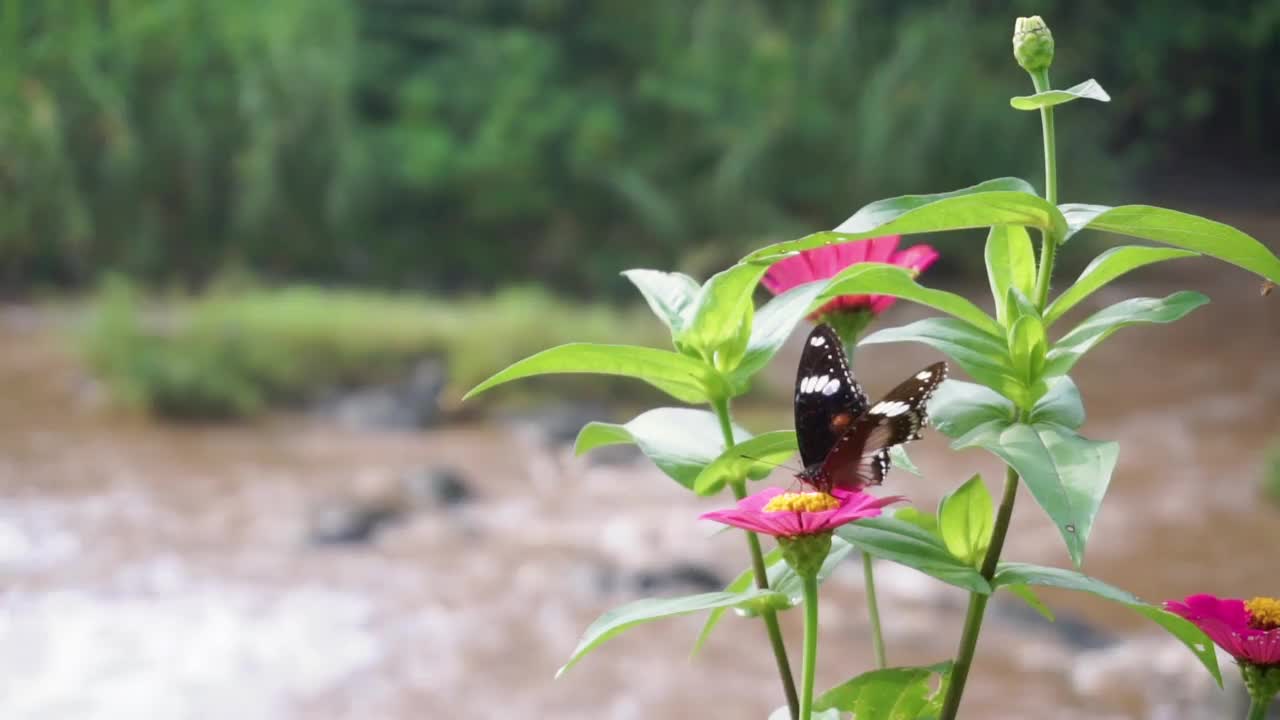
682	377
984	356
1107	267
752	459
966	518
888	694
1178	229
642	611
1005	201
721	325
1099	326
1067	474
773	324
927	522
908	544
1087	90
1011	263
881	279
782	580
1028	346
680	441
898	458
958	407
671	296
1032	600
1026	574
1060	405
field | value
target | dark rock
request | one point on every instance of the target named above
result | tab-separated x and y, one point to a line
409	404
679	577
439	486
350	522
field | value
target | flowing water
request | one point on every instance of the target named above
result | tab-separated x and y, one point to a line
164	571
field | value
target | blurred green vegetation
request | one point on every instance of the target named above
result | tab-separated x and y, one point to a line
234	351
468	145
1271	475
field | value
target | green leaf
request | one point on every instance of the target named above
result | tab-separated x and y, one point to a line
1032	600
881	279
739	585
1009	574
721	326
1067	474
682	377
985	357
671	296
1011	263
898	458
736	463
966	518
680	441
1107	267
1178	229
1028	346
1099	326
958	407
642	611
782	580
773	324
888	694
1005	201
908	544
1060	405
923	520
1087	90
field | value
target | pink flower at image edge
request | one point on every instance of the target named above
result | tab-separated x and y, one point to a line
825	262
749	513
1227	621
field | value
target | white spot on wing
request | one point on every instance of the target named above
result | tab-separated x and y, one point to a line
892	408
831	387
818	341
924	375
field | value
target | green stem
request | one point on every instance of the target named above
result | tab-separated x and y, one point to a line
761	574
810	646
1049	245
855	326
978	601
873	610
1257	709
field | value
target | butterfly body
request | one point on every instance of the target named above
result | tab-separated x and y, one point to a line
844	440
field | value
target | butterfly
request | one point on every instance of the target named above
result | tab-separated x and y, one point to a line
844	440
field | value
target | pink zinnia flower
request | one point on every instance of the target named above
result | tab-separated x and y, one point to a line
1248	631
827	261
783	514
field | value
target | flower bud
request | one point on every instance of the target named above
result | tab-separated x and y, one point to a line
806	553
1032	44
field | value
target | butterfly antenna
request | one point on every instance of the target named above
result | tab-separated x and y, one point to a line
766	462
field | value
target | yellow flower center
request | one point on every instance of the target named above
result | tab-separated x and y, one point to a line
802	502
1264	613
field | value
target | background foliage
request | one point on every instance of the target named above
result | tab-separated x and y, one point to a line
441	145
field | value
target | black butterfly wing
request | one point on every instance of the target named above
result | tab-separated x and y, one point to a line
861	456
828	398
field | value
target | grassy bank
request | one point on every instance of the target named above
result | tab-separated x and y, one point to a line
233	353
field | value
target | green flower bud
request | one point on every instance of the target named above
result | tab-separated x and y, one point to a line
1032	44
1262	682
806	553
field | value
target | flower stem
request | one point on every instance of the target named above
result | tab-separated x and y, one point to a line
868	571
978	601
1257	709
1049	246
761	574
873	610
810	645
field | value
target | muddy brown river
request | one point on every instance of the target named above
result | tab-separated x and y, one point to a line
164	571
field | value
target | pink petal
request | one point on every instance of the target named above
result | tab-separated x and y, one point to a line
824	260
882	248
788	273
880	303
916	257
756	501
851	253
